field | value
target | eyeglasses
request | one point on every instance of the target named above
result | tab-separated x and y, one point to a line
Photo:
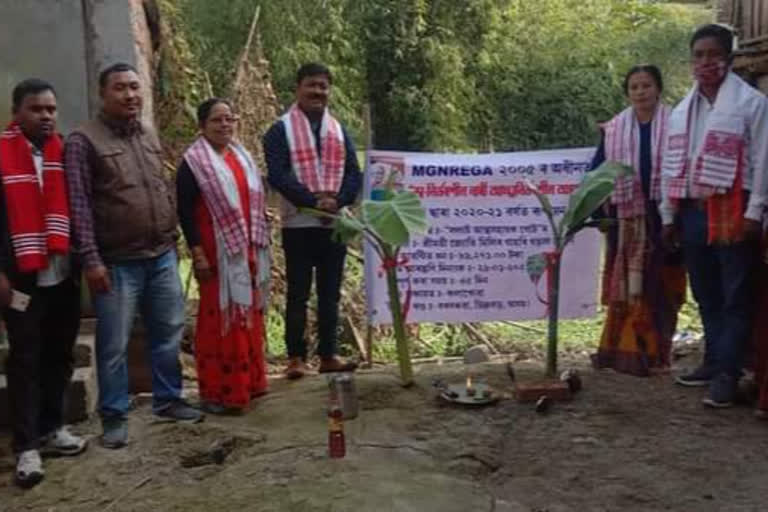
224	120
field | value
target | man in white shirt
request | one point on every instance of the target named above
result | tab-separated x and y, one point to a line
39	286
715	189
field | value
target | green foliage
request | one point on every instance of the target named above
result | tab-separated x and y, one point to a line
460	74
555	68
293	32
394	221
440	75
594	190
388	224
347	227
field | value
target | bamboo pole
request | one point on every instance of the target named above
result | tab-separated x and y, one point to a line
368	133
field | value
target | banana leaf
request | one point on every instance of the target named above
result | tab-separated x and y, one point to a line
395	220
546	205
594	190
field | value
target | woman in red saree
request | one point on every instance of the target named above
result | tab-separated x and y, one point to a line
221	207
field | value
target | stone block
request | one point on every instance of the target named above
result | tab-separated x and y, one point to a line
533	390
87	326
82	396
84	354
477	354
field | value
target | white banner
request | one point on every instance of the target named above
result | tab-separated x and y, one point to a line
484	223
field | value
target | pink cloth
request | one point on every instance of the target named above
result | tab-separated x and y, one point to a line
622	144
318	173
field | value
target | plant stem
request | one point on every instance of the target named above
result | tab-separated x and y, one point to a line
398	324
554	306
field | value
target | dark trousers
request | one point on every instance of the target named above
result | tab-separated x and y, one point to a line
40	360
723	283
307	249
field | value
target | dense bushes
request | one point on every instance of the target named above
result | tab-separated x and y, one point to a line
459	74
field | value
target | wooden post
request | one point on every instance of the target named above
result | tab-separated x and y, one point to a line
368	134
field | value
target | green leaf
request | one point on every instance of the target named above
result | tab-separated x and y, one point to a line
536	265
594	190
346	228
546	205
395	220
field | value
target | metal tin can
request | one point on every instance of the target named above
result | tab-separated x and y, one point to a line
342	386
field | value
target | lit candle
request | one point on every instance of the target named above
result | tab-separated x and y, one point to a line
470	389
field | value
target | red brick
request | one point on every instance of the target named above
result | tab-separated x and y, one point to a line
533	390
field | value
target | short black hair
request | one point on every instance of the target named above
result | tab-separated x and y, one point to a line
204	109
723	35
28	87
119	67
313	69
652	70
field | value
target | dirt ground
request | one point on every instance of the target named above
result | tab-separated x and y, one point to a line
624	444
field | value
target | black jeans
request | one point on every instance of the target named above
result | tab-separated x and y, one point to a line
723	283
307	249
40	360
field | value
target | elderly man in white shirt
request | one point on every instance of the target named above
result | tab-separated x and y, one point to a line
714	191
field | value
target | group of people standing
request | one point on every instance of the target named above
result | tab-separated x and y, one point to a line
697	205
98	207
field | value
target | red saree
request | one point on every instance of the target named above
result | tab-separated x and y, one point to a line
231	368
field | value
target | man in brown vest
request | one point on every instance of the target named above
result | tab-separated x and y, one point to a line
125	231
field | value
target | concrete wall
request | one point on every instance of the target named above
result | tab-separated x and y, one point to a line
68	42
44	39
116	31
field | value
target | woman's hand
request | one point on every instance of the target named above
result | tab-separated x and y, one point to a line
753	230
200	265
670	238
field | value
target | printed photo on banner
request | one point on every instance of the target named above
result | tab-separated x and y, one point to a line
385	171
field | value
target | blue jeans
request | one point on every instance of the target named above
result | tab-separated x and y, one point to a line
722	280
154	286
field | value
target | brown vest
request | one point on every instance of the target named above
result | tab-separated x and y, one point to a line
134	207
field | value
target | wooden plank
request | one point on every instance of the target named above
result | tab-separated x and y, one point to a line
763	17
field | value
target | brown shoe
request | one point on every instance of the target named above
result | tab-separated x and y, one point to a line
336	364
296	368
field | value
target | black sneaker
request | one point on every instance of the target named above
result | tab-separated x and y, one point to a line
180	411
115	434
698	378
722	392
